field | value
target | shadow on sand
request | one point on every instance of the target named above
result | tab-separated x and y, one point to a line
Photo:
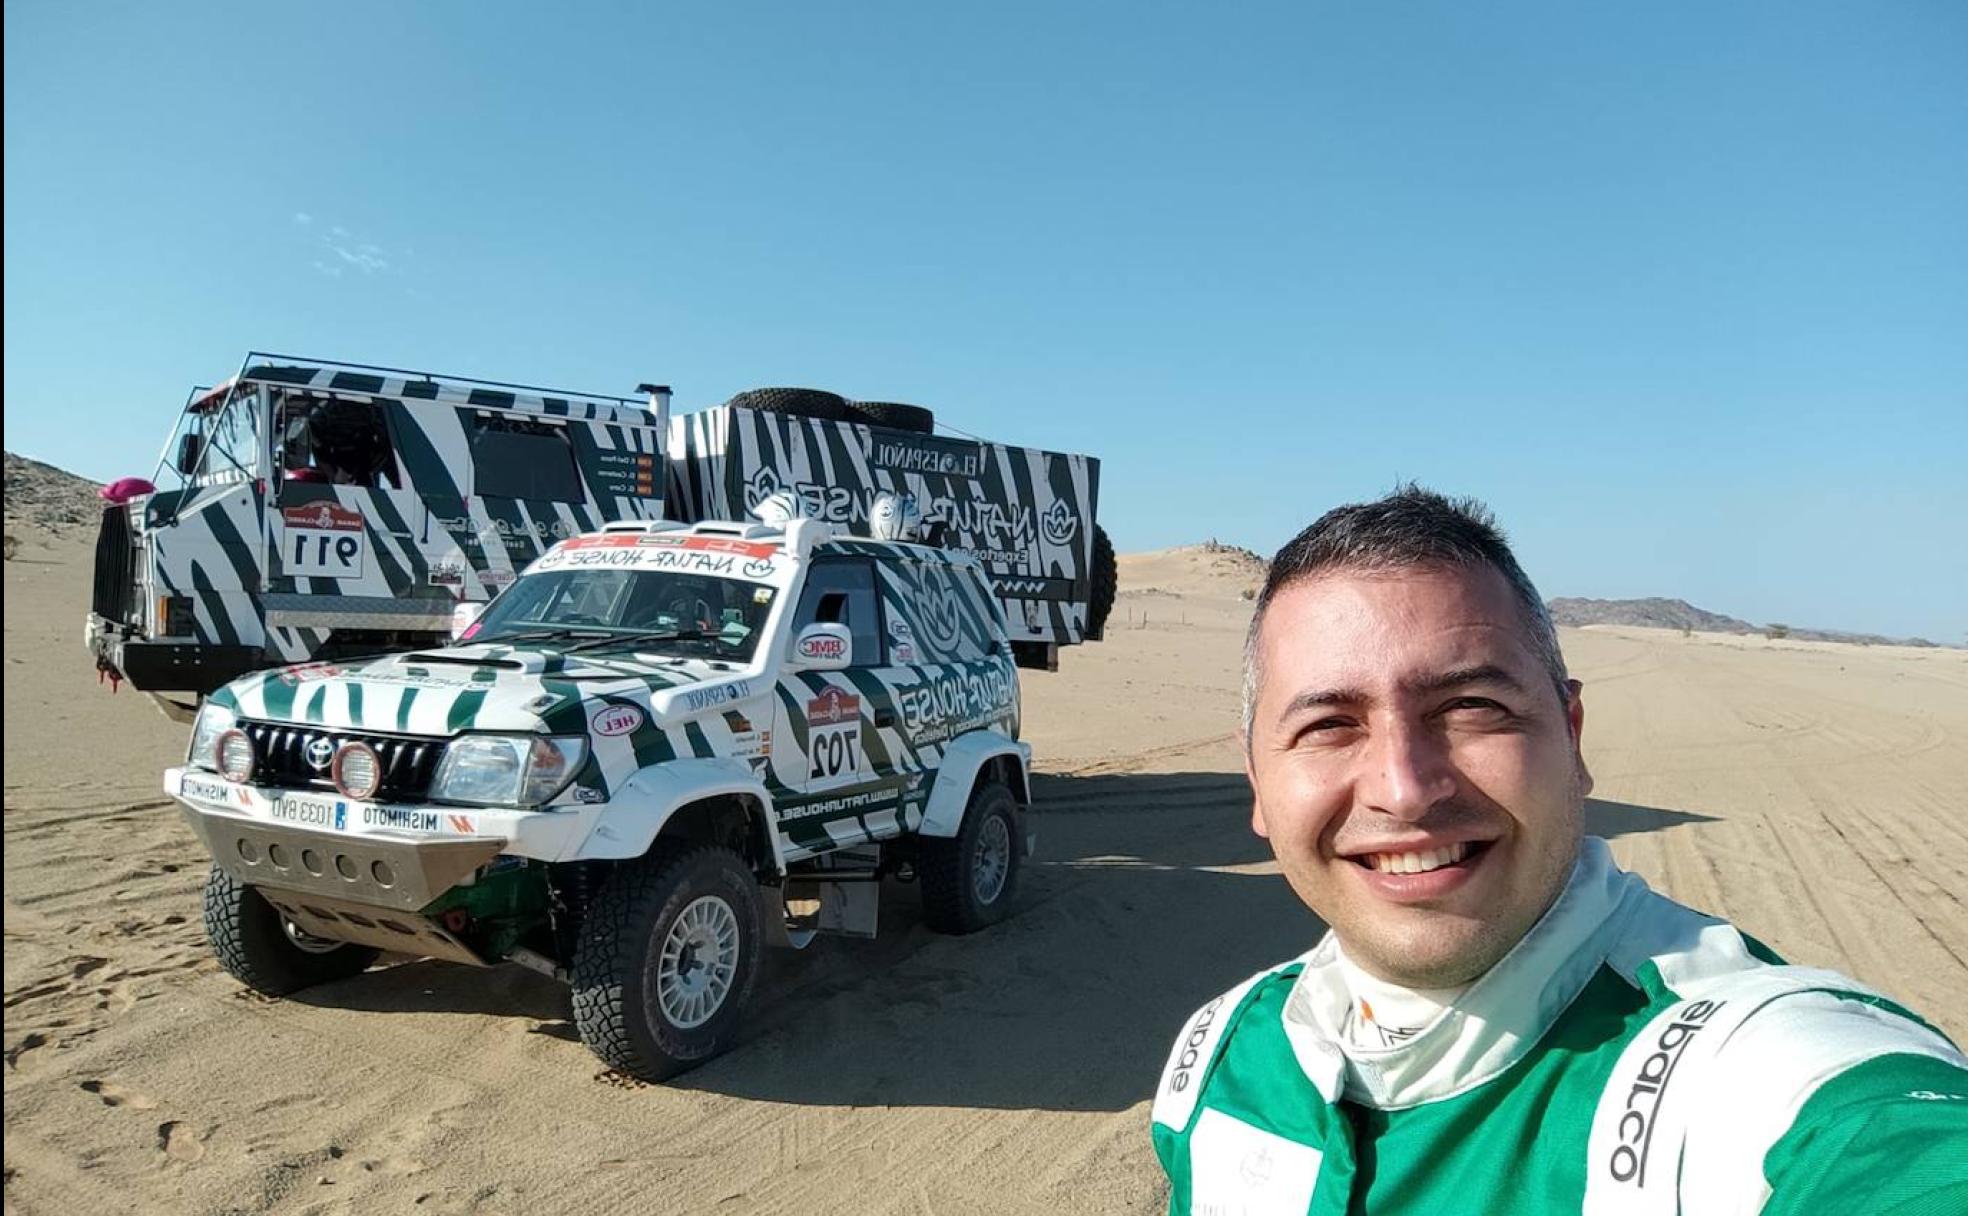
1147	896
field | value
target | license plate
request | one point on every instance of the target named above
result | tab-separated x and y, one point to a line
309	812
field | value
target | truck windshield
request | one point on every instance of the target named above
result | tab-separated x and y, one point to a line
659	610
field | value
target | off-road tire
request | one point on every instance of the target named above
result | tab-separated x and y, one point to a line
895	416
1105	578
948	864
798	402
616	1008
250	938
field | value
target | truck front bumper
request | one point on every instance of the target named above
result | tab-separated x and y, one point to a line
164	666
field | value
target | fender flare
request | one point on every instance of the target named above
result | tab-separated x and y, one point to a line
631	820
956	776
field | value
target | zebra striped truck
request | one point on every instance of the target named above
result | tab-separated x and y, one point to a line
664	747
320	510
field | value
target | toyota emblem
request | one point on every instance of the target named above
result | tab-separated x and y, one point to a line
320	753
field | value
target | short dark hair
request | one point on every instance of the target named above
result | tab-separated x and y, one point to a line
1409	528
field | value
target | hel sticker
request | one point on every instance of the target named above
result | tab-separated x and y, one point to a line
324	540
617	720
495	578
447	574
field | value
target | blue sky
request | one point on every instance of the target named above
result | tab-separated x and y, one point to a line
1680	288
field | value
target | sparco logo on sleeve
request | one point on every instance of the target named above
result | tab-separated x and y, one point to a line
1634	1133
1192	1045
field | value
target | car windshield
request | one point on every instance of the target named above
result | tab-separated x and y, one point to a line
658	610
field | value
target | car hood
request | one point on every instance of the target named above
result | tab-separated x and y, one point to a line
491	687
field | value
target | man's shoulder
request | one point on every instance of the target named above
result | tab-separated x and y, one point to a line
1206	1032
1726	1068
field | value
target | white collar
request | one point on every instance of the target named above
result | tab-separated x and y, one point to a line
1493	1024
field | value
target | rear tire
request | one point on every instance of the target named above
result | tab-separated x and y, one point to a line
895	416
667	956
262	951
970	880
798	402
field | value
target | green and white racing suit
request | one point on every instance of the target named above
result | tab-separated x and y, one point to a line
1628	1056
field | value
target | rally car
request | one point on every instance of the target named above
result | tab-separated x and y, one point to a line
663	748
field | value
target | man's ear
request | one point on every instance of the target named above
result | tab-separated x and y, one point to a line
1257	808
1575	722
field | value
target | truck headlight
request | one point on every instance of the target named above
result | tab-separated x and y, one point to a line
507	770
213	721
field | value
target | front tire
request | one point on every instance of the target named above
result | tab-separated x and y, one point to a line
263	951
667	957
969	880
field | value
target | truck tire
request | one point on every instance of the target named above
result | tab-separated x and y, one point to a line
895	416
969	880
666	959
1105	578
797	402
262	951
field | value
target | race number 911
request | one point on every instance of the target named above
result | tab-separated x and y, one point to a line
324	540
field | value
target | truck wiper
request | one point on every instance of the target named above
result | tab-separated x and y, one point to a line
538	635
634	637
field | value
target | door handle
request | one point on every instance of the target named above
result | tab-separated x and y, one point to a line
884	717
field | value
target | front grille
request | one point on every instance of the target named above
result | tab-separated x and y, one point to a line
115	596
281	751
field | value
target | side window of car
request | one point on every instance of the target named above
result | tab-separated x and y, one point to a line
842	592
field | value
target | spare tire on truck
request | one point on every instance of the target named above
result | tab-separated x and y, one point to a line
1105	576
798	402
895	416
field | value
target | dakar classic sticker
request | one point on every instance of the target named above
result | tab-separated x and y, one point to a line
831	707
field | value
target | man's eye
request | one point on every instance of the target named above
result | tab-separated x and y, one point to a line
1474	706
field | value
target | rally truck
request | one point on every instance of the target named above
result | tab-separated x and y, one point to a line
314	510
663	748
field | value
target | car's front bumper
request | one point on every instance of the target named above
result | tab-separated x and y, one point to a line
165	666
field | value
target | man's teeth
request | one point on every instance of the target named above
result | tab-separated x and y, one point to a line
1418	863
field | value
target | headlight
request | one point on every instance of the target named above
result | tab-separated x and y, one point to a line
213	721
507	770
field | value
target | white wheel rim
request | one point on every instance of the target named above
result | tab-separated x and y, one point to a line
698	962
993	864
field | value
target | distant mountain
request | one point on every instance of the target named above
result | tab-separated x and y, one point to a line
1680	614
43	496
1656	613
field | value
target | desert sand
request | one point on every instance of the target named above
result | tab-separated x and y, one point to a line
1813	792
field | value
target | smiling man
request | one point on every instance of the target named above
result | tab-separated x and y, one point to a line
1500	1019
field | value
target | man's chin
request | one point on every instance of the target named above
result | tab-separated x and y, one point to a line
1420	949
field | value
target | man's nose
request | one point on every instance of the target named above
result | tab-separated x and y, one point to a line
1407	771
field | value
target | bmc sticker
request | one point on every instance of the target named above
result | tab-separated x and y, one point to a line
617	720
821	646
324	540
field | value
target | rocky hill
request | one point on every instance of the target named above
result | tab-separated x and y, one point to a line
1680	614
42	497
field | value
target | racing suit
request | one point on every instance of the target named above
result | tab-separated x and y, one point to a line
1628	1056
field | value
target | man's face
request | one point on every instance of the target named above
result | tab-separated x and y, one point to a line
1414	767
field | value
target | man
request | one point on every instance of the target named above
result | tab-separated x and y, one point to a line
1501	1020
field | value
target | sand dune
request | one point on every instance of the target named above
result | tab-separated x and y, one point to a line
1811	791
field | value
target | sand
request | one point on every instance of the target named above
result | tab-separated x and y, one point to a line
1810	791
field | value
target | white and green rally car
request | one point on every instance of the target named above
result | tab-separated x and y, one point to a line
663	748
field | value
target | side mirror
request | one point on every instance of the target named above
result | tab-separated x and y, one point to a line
464	619
190	448
823	647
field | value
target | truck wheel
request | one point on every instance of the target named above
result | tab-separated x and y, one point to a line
895	416
666	960
1105	578
970	879
799	402
263	950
